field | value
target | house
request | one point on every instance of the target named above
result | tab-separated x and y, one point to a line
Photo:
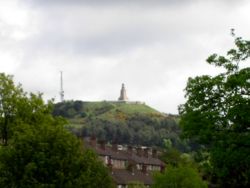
127	164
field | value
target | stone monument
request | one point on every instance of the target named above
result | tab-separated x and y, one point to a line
123	95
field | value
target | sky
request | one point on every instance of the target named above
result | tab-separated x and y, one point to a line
152	46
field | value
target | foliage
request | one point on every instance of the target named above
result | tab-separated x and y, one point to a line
203	163
181	170
136	184
167	143
49	156
172	157
17	107
122	122
216	114
74	109
179	177
40	152
9	95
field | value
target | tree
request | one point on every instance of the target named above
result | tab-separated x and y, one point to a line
17	107
49	156
216	114
40	151
181	170
9	95
179	177
136	184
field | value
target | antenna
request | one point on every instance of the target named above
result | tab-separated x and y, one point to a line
61	89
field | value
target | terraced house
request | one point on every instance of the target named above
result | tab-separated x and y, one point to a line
127	164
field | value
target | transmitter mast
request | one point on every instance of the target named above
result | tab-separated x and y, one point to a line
61	87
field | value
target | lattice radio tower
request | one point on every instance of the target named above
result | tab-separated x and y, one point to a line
61	87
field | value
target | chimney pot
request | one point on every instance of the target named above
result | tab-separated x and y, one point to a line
154	153
131	167
114	147
144	168
145	152
130	150
102	145
139	151
110	165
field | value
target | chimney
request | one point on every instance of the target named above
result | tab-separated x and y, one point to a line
131	167
145	152
102	145
130	150
144	168
139	151
110	165
154	153
114	147
93	141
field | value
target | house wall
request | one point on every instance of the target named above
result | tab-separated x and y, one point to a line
120	164
153	167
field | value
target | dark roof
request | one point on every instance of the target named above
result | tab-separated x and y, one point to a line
146	160
108	151
123	177
120	155
125	155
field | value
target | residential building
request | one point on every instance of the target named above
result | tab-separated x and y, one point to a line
127	164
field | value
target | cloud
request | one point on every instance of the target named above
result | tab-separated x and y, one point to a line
151	46
108	2
115	29
129	3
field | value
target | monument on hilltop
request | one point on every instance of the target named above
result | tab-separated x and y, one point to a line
123	94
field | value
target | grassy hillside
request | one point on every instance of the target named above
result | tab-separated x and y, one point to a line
123	122
77	111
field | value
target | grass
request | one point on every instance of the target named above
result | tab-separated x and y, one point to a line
117	106
112	111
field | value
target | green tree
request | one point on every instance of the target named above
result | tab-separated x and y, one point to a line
136	184
167	143
18	107
40	152
172	157
179	177
216	114
9	95
49	156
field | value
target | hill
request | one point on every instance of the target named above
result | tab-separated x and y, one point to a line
76	109
125	123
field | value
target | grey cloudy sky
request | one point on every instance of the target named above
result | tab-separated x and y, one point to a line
152	46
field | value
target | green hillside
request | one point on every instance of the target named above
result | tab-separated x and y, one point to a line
126	123
116	111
